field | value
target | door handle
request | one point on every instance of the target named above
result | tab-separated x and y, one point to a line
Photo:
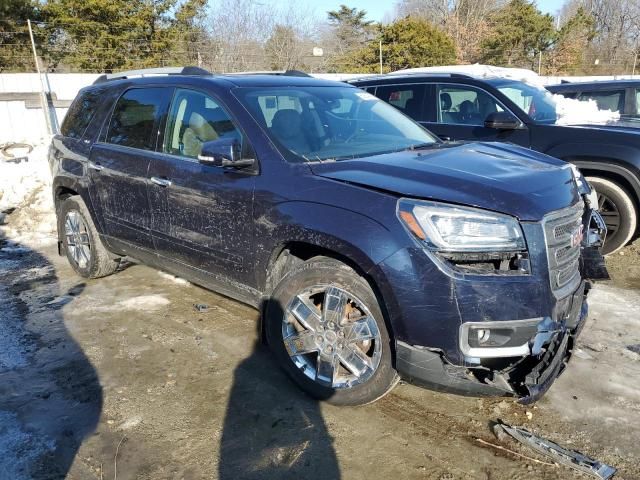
95	166
163	182
444	138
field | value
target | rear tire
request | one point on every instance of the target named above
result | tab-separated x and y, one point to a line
619	212
80	240
341	351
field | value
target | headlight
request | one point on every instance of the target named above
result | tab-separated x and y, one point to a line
450	228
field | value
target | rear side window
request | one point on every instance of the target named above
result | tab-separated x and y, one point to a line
409	99
135	117
606	100
80	113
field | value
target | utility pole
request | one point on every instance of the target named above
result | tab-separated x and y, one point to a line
43	95
540	62
380	57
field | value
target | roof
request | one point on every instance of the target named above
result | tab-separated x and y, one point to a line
594	84
247	79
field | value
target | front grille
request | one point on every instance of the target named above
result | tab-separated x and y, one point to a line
561	232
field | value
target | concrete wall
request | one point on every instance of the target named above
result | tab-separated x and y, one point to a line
24	120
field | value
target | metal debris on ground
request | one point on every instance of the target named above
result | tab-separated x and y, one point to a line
201	307
561	455
8	157
634	348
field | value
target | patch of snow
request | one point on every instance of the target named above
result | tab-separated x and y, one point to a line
26	188
579	112
144	302
173	278
481	71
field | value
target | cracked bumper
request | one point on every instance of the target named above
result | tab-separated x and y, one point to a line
527	377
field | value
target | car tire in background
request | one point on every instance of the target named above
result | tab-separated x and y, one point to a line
326	329
81	243
619	212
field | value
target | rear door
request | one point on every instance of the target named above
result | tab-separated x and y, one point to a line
460	114
119	163
202	214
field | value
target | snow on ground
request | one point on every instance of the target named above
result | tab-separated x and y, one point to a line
26	187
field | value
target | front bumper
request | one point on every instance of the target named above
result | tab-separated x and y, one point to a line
433	312
527	377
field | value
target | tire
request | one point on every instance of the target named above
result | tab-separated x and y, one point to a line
618	209
94	261
363	370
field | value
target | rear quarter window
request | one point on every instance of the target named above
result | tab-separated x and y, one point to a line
80	113
134	117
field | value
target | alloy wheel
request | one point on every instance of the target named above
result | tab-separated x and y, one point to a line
331	336
78	240
609	213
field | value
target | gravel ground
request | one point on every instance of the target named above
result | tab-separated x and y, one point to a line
123	378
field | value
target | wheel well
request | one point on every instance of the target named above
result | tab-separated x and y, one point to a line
62	193
619	180
294	253
291	254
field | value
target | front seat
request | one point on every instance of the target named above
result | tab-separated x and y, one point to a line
198	132
287	128
445	107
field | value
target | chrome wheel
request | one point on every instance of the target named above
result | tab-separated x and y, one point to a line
331	336
609	213
77	235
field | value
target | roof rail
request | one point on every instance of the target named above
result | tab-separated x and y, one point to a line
150	72
284	73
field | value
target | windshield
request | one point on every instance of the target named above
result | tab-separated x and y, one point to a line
331	123
534	101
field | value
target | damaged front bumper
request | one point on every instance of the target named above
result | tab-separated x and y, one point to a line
520	358
526	371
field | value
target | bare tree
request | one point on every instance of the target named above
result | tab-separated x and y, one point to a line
466	21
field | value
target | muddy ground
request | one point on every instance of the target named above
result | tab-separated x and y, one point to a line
123	378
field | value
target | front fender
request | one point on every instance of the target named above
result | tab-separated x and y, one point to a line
362	239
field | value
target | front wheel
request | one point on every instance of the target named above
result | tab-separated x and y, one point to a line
618	211
327	331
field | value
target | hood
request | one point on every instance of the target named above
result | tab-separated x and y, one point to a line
499	177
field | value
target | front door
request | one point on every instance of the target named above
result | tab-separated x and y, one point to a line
461	112
119	162
202	214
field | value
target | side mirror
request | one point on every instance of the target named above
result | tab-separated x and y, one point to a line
502	121
223	152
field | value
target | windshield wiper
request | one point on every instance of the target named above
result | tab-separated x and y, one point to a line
422	146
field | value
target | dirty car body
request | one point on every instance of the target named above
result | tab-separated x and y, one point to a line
477	255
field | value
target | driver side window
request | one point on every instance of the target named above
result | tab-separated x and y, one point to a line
195	118
462	105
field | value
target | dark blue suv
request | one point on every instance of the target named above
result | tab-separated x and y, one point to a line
373	249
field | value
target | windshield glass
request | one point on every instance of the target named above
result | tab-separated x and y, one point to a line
534	101
331	123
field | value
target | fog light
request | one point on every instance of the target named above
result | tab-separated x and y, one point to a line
483	336
498	339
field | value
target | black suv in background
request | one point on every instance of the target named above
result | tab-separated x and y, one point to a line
617	95
460	107
372	248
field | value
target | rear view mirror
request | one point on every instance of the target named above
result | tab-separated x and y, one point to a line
502	121
223	152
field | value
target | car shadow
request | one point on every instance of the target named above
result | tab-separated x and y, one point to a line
50	395
271	429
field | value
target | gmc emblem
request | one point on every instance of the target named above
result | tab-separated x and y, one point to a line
577	236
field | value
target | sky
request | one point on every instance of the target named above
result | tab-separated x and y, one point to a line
377	9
